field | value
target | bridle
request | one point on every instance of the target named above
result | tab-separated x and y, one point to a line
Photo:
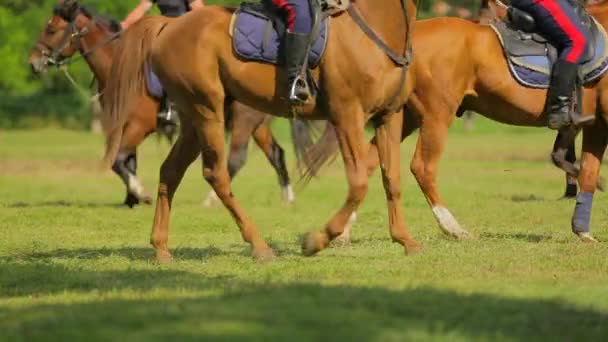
72	35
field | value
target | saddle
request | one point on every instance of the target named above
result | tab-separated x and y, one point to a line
257	31
531	57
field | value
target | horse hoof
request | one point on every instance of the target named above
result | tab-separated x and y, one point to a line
131	201
586	237
163	256
413	248
264	255
147	199
457	233
313	243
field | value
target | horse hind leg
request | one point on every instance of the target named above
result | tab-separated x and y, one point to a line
183	153
563	156
276	156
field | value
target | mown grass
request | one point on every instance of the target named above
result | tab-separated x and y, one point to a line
76	266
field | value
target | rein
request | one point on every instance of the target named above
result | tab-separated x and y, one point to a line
402	60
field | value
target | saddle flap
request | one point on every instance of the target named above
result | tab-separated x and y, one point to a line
530	57
258	32
517	43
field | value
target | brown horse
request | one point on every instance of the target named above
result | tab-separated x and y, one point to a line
356	80
73	28
562	156
460	66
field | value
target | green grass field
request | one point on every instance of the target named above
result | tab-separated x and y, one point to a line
76	266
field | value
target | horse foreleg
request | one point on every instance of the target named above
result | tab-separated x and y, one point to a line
429	147
594	145
276	156
125	166
349	131
388	139
183	153
372	161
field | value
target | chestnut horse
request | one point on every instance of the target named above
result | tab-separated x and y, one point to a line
356	80
462	64
73	28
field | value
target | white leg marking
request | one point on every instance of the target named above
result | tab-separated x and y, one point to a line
211	199
344	238
288	195
135	186
448	223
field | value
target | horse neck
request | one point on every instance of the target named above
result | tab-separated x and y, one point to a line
100	60
387	20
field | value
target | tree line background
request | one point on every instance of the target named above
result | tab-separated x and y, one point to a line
28	101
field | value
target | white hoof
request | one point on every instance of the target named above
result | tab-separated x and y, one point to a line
448	223
586	237
211	200
288	195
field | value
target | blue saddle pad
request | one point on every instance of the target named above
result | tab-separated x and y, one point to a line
535	70
255	38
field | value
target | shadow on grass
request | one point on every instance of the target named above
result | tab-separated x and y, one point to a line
131	253
196	308
536	238
62	204
527	198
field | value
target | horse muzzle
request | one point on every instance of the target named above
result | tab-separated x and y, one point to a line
39	64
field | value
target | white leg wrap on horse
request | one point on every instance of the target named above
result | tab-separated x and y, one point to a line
288	194
448	223
211	199
135	186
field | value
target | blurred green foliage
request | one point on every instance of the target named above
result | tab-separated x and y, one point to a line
28	101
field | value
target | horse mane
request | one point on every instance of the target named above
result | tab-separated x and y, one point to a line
112	24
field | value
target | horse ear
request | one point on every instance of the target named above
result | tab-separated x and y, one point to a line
67	9
72	7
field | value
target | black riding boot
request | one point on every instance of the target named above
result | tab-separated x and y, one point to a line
561	92
296	45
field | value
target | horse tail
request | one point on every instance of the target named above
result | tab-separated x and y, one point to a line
302	138
128	80
312	156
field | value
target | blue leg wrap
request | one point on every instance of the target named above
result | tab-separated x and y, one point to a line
582	212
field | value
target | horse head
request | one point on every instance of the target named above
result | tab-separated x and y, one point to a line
59	38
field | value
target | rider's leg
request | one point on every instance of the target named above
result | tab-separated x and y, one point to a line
558	22
299	25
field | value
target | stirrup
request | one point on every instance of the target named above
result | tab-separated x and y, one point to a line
303	86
